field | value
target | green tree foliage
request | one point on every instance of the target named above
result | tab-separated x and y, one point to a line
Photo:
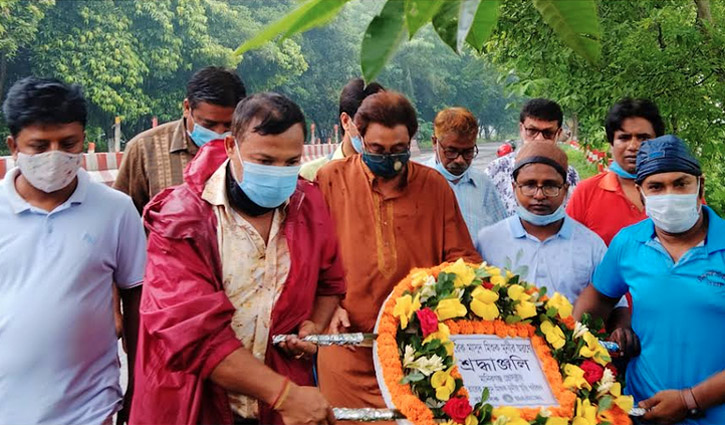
457	22
663	50
133	59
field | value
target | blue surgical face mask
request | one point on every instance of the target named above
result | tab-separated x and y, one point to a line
202	135
673	213
540	220
621	172
357	143
268	186
444	171
386	165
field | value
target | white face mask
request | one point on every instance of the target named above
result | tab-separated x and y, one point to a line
674	213
49	171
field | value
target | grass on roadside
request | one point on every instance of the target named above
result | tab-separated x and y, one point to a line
578	160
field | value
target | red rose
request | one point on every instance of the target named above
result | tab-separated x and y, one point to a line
592	371
487	285
458	409
428	321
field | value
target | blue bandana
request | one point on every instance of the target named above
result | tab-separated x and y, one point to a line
665	154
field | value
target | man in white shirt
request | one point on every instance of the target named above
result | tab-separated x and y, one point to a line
65	242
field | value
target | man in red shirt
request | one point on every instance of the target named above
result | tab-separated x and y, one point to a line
609	201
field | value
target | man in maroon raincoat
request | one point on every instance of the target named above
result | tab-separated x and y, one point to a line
240	252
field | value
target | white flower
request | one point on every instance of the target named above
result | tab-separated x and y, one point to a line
459	293
580	330
545	412
605	384
427	366
428	290
408	356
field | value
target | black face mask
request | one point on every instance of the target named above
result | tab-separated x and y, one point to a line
239	200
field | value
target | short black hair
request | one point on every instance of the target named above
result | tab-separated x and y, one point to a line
353	94
276	112
34	100
216	85
631	108
542	109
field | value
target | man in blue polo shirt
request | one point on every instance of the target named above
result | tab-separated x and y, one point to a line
673	264
64	241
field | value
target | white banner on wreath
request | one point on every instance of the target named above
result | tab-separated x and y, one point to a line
508	367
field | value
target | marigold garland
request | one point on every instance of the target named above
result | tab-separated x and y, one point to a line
425	288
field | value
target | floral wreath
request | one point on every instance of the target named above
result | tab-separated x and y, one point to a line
416	355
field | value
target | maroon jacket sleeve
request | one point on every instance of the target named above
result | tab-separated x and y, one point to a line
184	310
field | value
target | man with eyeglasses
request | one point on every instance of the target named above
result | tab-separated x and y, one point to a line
539	121
540	242
391	215
454	145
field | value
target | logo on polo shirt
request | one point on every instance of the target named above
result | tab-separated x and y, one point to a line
712	277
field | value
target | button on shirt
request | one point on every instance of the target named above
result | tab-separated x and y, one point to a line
562	263
58	346
679	309
478	199
254	273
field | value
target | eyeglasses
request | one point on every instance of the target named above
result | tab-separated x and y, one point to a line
547	134
451	153
529	190
379	158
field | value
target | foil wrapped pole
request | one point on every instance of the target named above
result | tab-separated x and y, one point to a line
357	338
366	340
374	415
366	414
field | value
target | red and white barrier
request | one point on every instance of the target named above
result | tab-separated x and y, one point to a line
593	156
103	167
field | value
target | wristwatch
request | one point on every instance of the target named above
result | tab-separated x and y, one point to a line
693	410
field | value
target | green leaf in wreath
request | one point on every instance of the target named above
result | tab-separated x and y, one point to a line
485	394
511	319
482	273
552	312
412	377
605	403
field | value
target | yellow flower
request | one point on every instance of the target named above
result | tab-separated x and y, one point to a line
561	304
498	280
554	334
518	293
492	270
594	350
405	307
526	309
508	415
418	278
471	420
574	377
450	308
464	274
586	414
556	420
483	303
444	384
443	333
624	402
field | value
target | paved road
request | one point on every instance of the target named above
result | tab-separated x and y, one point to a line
486	153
